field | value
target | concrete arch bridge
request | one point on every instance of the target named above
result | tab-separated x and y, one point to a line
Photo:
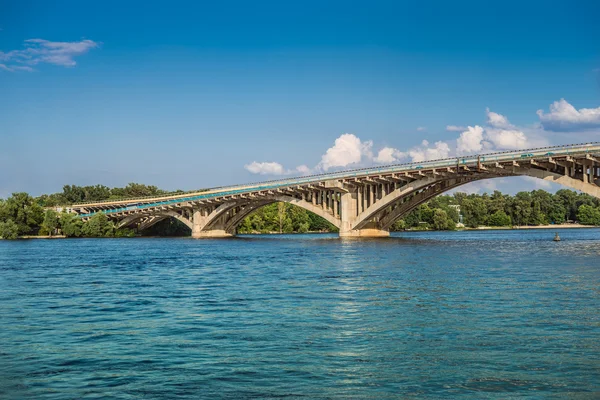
362	202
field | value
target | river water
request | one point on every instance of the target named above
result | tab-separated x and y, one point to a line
494	314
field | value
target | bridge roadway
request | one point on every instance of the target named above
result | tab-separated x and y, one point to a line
361	202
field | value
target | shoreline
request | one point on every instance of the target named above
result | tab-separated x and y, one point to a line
516	227
480	228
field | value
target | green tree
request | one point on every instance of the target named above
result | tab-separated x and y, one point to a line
9	230
474	210
499	218
71	225
50	224
441	221
24	211
588	215
98	226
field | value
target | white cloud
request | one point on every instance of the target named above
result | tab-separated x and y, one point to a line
471	140
455	128
14	68
564	117
348	149
265	168
496	120
507	139
421	129
502	134
303	169
425	153
389	155
38	51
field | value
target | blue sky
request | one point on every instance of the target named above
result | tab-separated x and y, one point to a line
205	94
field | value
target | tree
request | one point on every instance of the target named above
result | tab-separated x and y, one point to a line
9	230
98	226
399	225
50	224
499	218
568	199
24	211
588	215
441	221
474	210
70	224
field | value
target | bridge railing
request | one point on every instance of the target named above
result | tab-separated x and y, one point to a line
525	154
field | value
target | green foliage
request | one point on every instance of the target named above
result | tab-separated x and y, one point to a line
441	221
50	224
499	218
537	207
283	218
71	225
98	226
73	194
8	229
399	225
124	232
588	215
24	211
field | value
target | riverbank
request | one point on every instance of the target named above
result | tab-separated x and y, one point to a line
549	226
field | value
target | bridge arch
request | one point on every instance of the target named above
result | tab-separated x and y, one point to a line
228	216
401	201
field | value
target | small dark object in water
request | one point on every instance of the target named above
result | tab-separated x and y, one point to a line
556	237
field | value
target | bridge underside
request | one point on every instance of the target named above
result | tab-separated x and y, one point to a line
365	206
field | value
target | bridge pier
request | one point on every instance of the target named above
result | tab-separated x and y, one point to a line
365	233
199	222
349	211
212	234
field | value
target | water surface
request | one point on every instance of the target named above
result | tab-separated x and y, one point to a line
494	314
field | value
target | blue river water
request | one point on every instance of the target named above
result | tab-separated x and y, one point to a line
486	314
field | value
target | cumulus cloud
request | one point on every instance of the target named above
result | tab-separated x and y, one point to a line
564	117
303	169
39	51
347	149
425	152
455	128
507	139
421	129
496	120
471	140
389	155
502	134
265	168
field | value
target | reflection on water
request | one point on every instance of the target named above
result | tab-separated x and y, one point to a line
492	314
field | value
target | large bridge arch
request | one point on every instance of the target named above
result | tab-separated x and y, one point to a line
227	216
400	202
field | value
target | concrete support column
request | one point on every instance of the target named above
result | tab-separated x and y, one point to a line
349	211
199	222
360	207
336	206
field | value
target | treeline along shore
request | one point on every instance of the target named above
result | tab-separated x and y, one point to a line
22	215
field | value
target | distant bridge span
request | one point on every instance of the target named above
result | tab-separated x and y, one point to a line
360	203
